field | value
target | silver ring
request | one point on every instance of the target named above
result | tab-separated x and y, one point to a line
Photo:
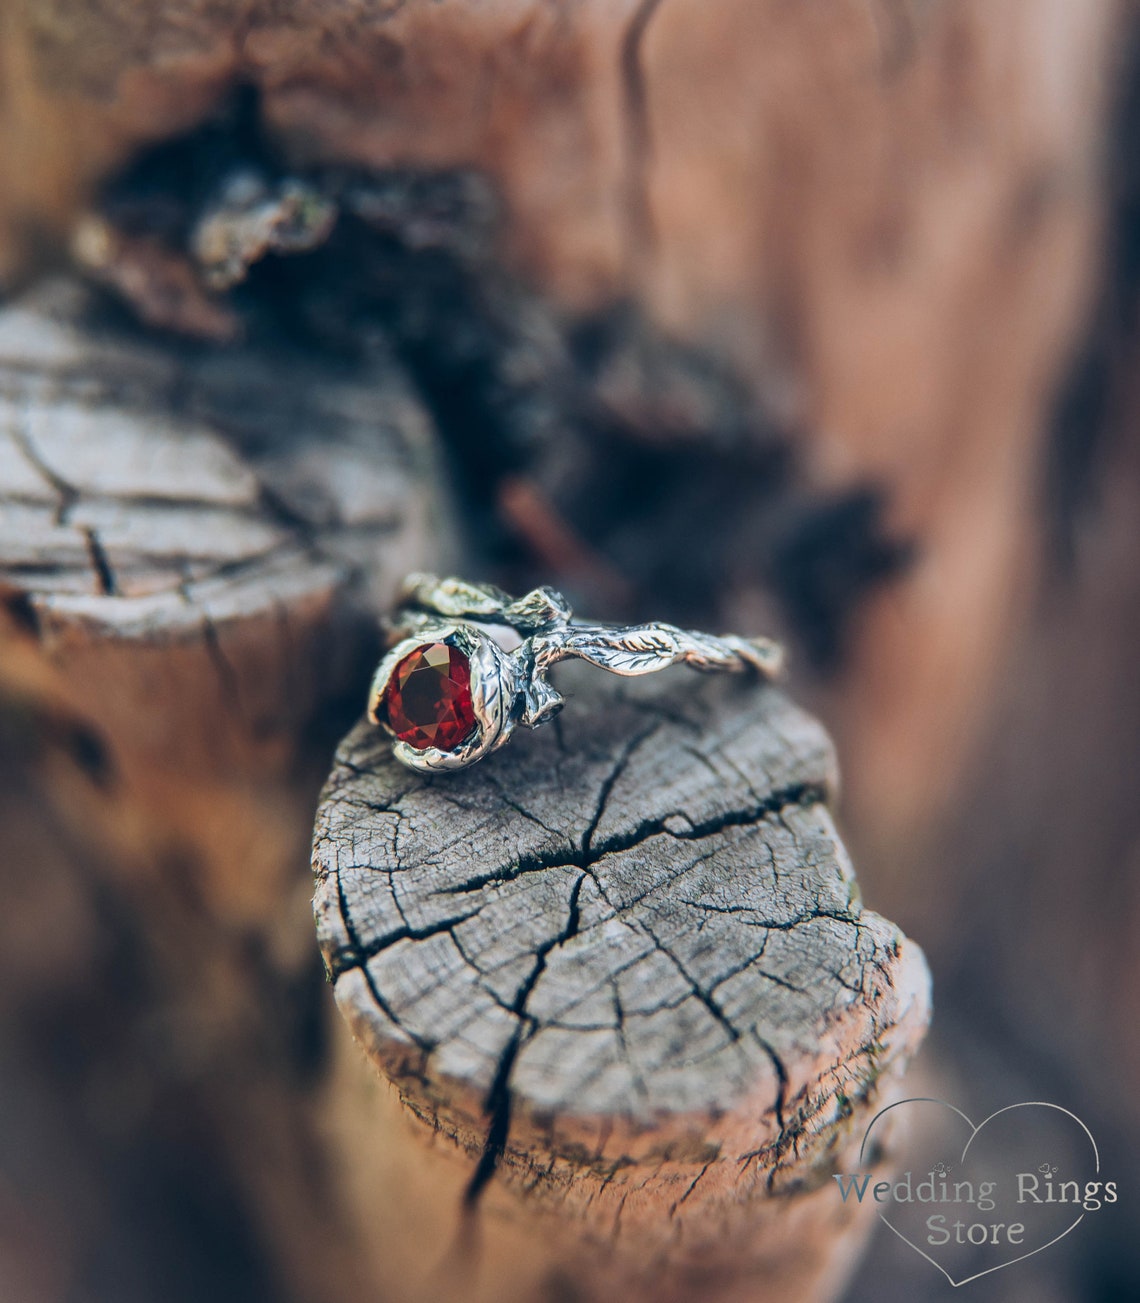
450	692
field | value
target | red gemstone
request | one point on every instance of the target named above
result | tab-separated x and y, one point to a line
428	698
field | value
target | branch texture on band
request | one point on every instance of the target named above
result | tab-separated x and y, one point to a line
450	693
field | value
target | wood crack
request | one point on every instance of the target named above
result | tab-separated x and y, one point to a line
706	998
373	990
358	956
799	795
100	563
498	1102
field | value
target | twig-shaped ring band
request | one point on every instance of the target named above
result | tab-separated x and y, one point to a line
449	693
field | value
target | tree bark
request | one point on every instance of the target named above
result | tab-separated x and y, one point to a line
623	967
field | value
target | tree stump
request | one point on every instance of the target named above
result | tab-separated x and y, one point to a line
193	546
182	526
622	971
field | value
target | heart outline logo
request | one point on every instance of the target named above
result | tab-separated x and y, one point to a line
974	1130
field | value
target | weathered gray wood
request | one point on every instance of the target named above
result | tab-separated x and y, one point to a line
623	964
231	520
193	549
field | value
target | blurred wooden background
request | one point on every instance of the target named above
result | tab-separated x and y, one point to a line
850	287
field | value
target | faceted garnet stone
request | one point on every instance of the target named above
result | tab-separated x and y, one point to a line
428	699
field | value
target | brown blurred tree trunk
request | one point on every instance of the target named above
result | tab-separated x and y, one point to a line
880	213
866	226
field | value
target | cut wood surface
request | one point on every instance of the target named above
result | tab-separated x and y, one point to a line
624	967
147	474
186	526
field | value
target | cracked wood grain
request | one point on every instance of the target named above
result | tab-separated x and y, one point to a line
625	969
229	520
